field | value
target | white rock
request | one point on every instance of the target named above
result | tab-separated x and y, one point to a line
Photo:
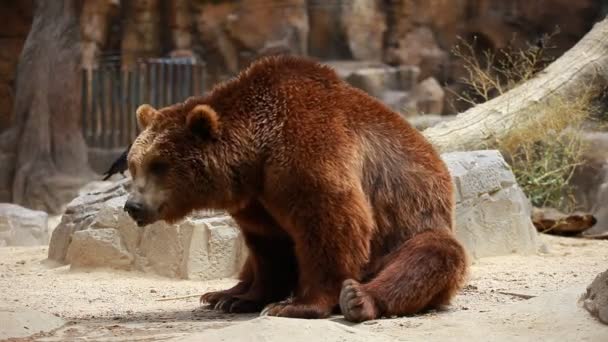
98	248
96	232
216	249
492	212
22	227
161	249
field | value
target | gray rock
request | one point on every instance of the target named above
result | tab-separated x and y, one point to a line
492	212
595	299
79	215
399	101
345	68
374	81
376	77
429	97
407	77
22	227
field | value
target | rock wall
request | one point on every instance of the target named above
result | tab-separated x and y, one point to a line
228	35
492	218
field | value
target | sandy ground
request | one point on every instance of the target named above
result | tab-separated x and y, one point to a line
116	306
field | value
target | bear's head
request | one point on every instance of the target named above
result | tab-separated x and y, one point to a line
180	162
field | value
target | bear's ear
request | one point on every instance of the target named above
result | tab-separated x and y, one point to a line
145	115
203	121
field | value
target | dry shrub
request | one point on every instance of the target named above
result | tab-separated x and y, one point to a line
543	153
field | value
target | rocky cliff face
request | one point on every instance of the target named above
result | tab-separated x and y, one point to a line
230	34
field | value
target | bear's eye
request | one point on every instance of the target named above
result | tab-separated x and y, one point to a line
158	167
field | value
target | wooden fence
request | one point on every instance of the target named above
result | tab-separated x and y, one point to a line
111	93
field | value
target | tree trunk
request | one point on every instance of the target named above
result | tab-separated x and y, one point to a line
45	153
583	68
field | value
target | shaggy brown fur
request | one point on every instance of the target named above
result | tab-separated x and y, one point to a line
342	203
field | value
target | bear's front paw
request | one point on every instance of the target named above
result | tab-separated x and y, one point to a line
294	310
212	298
239	305
226	302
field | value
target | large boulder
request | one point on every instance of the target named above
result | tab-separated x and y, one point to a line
22	227
96	232
492	218
492	212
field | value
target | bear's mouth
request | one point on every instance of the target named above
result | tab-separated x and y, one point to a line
151	217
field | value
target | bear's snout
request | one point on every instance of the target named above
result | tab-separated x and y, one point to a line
136	210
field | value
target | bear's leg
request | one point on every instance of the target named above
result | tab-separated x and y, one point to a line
332	243
270	273
275	271
424	273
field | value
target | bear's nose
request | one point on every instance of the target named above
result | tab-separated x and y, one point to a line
134	209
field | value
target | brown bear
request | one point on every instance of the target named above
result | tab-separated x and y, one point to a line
342	204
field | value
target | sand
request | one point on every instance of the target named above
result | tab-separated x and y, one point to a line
110	305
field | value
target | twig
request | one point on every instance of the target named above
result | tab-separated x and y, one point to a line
520	295
177	298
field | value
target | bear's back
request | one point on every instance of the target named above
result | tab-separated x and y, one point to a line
329	121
